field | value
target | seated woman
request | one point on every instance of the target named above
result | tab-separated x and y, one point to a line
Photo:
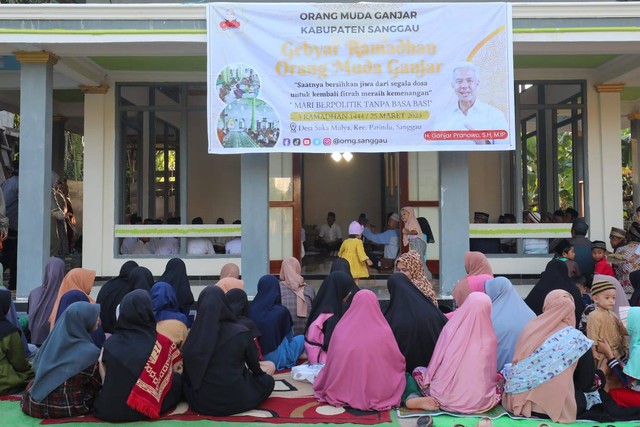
111	293
138	366
42	298
228	283
540	381
509	315
239	303
416	323
410	264
478	271
175	274
327	310
462	375
67	376
364	353
170	322
555	276
140	278
72	297
222	375
77	279
297	296
277	342
230	270
15	371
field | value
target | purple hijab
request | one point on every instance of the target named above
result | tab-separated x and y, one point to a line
42	299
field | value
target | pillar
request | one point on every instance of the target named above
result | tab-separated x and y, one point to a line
254	215
34	204
609	161
93	185
454	217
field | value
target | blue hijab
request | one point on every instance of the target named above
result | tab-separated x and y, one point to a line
165	303
68	349
79	296
267	312
509	315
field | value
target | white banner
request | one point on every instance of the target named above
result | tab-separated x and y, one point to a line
359	77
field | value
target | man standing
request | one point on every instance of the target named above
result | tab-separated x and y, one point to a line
390	238
470	113
330	235
582	247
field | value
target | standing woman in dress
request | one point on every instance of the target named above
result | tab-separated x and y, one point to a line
138	366
222	375
412	235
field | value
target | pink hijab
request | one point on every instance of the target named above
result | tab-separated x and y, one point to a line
291	278
364	369
478	271
411	224
461	375
556	397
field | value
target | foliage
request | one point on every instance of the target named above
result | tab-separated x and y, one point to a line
73	156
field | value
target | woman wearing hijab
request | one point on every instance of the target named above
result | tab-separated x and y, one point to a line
15	371
111	293
80	279
175	274
67	375
41	300
137	366
555	276
634	279
277	342
230	270
465	355
410	264
12	316
327	310
239	303
340	264
630	260
297	296
363	353
509	315
69	299
478	271
540	381
222	375
140	278
229	283
416	323
412	235
170	322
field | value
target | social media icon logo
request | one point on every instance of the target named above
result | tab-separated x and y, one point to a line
306	141
326	141
296	141
317	141
286	142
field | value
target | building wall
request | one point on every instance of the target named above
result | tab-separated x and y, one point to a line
485	184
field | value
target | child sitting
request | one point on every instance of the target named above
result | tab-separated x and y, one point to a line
604	325
599	254
584	288
564	250
352	250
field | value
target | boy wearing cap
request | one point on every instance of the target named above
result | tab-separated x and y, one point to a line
605	325
599	254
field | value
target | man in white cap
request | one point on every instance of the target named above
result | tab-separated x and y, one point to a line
390	238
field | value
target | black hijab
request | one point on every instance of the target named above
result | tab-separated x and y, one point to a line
555	276
6	327
634	278
175	274
135	335
272	318
111	293
215	324
340	264
426	229
416	323
140	278
335	288
239	304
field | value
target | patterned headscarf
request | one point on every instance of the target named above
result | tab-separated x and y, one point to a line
413	262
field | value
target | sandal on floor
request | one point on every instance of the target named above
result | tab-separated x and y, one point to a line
425	421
